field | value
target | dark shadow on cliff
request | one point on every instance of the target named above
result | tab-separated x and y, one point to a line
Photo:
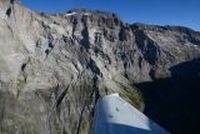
174	102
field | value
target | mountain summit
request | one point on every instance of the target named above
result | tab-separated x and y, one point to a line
53	69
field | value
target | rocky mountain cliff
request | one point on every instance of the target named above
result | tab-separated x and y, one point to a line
54	67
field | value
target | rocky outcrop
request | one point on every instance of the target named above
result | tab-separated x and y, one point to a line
54	67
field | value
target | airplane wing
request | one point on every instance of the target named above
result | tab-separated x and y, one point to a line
113	115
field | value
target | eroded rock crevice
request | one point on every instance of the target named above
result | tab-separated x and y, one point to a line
89	54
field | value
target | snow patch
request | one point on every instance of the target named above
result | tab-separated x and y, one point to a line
70	14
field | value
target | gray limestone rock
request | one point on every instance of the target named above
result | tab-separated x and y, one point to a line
54	67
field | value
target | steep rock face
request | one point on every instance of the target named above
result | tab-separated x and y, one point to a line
172	100
54	67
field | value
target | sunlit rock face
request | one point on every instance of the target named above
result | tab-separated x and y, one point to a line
53	68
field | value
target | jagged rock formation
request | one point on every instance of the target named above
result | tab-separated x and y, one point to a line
54	67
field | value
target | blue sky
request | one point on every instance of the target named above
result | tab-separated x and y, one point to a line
161	12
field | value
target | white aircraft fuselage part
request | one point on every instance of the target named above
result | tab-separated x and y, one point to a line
113	115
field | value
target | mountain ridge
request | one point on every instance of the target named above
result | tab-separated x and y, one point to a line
53	68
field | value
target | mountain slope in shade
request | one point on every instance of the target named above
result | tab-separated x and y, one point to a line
54	67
